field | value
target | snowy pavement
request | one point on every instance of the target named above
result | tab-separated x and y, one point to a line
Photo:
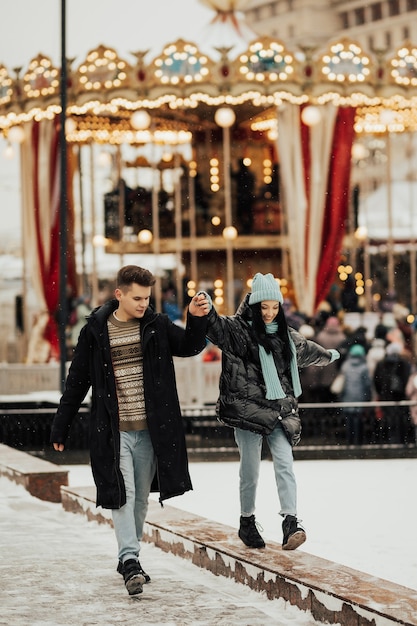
58	569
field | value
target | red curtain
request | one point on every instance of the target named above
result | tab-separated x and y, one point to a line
337	201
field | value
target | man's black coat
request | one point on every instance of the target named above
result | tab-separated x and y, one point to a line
92	367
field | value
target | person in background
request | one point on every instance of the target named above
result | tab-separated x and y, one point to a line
356	336
390	379
376	352
259	387
357	387
124	353
330	337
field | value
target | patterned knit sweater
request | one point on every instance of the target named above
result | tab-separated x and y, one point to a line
126	354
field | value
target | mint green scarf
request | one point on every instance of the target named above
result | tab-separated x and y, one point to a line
274	390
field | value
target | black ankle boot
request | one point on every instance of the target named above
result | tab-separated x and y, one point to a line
133	577
294	534
249	534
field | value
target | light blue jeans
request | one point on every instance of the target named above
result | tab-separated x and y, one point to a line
137	464
250	449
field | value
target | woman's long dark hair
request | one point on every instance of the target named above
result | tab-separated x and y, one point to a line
260	335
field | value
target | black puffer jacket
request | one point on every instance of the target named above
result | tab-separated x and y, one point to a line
92	367
242	401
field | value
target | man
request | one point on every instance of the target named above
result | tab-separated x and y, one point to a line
124	353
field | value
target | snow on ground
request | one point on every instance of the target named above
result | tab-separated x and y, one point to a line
360	513
56	568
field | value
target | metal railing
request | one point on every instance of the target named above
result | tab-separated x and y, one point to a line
326	423
27	425
25	420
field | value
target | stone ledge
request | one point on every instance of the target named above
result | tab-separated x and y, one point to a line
333	593
40	478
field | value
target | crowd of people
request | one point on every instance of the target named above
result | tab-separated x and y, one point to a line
380	370
377	367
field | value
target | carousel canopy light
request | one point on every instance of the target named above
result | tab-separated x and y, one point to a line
230	233
361	233
225	117
311	115
359	152
343	74
100	241
70	125
140	120
145	236
16	134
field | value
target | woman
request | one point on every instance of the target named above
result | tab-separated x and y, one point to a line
259	386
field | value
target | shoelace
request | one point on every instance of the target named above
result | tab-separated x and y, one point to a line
298	526
255	529
296	523
259	527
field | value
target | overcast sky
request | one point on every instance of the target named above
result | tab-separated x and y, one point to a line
128	25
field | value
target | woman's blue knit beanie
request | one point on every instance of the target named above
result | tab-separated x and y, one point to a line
265	287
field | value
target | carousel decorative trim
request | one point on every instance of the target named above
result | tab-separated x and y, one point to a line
104	89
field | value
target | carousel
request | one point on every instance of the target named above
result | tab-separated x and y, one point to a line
229	163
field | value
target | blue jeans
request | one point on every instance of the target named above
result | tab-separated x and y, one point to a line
250	449
137	464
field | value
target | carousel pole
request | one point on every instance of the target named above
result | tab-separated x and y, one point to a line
63	308
178	229
225	118
390	250
193	230
94	275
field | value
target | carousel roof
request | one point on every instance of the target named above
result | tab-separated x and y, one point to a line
182	87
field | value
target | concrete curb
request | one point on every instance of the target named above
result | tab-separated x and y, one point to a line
333	593
40	478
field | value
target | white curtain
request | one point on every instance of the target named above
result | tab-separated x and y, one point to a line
40	196
304	194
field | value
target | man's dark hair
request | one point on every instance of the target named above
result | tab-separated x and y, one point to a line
134	274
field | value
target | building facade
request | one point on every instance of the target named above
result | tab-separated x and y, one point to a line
382	25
